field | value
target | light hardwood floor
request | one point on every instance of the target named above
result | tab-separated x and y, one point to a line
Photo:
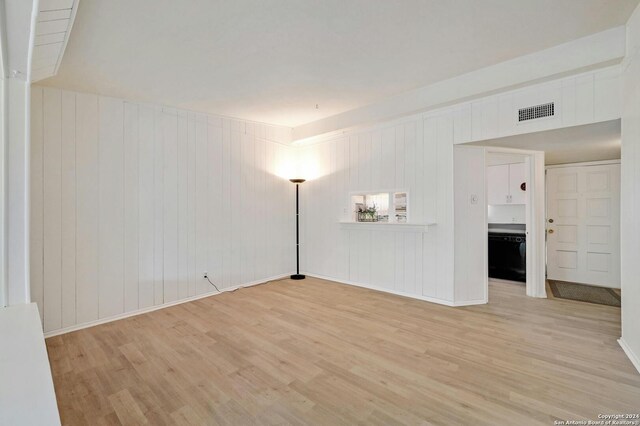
317	352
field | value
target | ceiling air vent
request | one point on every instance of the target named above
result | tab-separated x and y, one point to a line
538	111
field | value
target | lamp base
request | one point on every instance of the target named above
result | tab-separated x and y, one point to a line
297	277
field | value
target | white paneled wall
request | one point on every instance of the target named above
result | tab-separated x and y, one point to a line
131	203
414	154
579	99
630	193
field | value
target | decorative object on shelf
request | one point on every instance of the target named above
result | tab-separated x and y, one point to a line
297	275
375	206
400	206
367	214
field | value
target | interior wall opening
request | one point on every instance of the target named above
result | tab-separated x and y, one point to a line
580	241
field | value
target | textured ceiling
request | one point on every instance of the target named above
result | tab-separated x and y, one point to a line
273	61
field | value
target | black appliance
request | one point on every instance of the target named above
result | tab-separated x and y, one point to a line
508	256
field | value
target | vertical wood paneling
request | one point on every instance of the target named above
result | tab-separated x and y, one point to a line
336	204
343	241
410	261
183	206
68	203
584	99
325	156
260	201
246	197
214	210
376	160
430	191
418	249
444	204
353	255
410	155
146	206
158	207
388	162
36	221
429	264
568	105
286	212
399	258
364	260
410	166
417	199
400	157
354	163
234	220
194	274
111	205
430	167
383	259
140	200
226	203
52	101
131	207
202	285
271	208
87	213
364	148
170	202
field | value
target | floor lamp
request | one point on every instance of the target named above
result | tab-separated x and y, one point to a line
297	275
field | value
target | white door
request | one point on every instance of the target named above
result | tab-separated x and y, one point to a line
583	224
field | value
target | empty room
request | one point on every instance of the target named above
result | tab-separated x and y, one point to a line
302	212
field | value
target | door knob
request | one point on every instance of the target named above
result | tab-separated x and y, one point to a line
550	220
550	231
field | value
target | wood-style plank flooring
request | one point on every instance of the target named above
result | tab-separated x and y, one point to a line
317	352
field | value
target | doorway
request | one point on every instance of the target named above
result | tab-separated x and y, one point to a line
515	204
582	164
583	231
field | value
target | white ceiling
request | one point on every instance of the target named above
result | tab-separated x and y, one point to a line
591	142
53	26
273	61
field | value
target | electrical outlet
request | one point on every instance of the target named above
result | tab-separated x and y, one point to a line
205	275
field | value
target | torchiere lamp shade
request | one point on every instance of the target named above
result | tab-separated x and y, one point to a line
297	275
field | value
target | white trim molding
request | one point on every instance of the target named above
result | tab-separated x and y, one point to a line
635	359
387	226
585	163
400	293
158	307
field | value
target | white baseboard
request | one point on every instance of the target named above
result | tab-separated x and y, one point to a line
156	307
635	360
471	302
400	293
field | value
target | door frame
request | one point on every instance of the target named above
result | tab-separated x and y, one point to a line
535	219
584	164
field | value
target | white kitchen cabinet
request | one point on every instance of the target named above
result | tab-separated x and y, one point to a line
517	176
498	184
504	184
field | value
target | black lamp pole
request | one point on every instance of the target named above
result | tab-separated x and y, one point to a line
297	275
